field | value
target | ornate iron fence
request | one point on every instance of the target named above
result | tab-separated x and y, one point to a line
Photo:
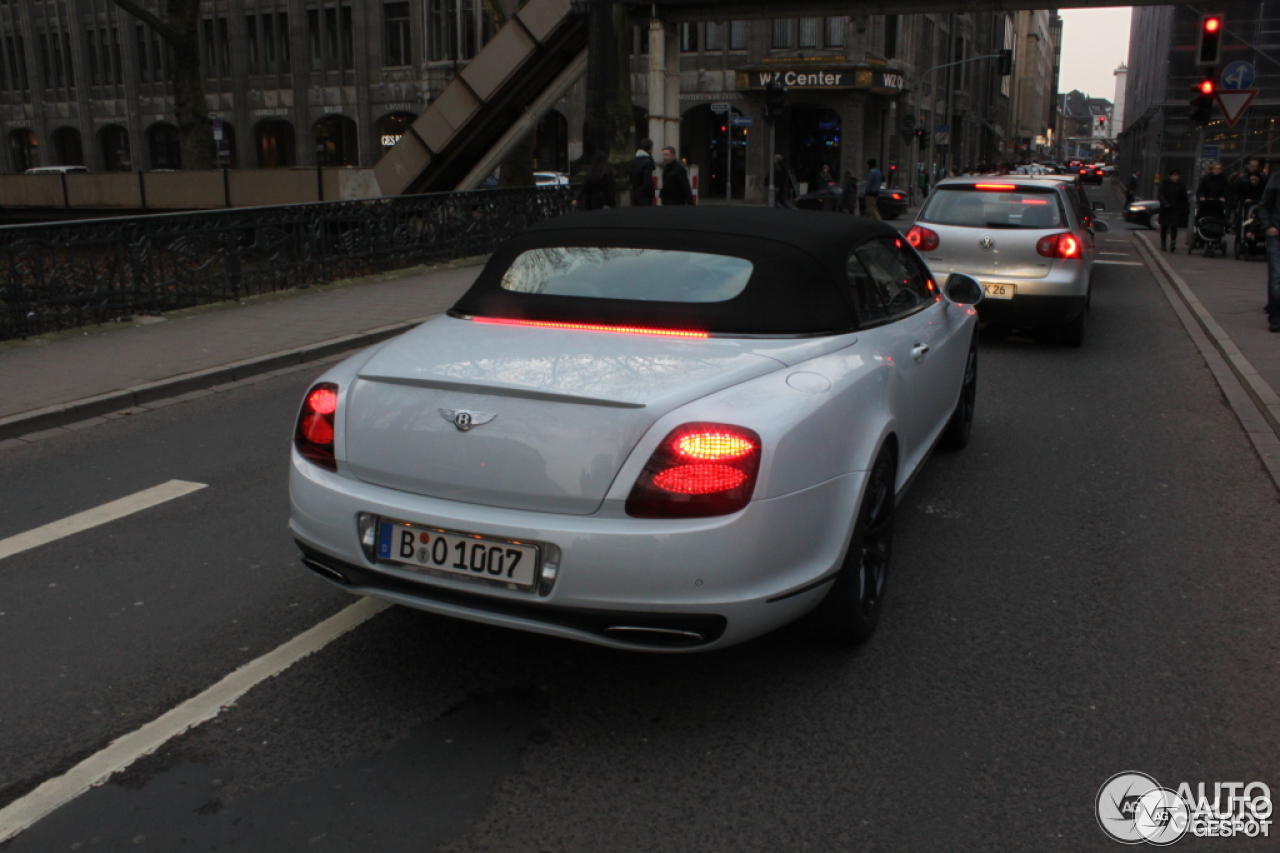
70	274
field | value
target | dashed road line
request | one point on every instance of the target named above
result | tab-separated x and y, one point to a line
90	518
97	768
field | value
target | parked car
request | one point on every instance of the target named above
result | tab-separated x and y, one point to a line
893	203
1142	213
57	170
1023	238
669	429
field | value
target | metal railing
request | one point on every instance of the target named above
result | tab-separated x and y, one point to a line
71	274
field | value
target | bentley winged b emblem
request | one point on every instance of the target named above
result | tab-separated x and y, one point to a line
465	419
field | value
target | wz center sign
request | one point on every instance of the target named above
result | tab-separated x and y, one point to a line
847	77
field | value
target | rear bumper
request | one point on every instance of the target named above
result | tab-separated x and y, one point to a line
681	584
1032	310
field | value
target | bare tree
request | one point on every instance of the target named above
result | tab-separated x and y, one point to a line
180	30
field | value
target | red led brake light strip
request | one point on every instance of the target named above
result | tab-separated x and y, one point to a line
591	327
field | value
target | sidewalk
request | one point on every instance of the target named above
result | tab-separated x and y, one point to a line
78	375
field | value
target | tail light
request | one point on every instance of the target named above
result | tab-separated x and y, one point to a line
314	434
922	238
1064	245
699	469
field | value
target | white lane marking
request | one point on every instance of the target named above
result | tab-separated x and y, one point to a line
81	521
1122	263
97	768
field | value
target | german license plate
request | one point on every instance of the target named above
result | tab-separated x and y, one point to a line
995	290
458	553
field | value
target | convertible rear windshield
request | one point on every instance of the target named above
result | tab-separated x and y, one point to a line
994	205
614	272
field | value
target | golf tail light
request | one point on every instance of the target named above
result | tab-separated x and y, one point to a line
699	469
1061	246
314	434
922	238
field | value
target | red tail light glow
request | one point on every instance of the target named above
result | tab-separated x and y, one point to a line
592	327
922	238
996	187
313	435
1062	246
698	470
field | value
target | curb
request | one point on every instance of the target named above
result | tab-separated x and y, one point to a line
87	408
1253	401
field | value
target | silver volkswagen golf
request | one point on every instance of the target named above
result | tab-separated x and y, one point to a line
1024	238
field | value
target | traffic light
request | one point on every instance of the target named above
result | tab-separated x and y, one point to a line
1004	66
1202	101
1209	48
923	137
775	95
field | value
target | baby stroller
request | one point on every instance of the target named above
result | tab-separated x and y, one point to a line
1249	234
1210	230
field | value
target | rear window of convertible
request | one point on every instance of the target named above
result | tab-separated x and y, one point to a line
993	206
651	275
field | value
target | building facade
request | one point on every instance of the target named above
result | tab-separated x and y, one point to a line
1162	75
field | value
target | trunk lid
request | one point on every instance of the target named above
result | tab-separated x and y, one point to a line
567	408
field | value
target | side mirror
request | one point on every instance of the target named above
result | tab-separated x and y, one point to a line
1097	205
1100	226
963	289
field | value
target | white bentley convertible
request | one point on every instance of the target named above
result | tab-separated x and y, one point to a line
668	428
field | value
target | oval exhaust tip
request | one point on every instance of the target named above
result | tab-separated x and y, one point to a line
649	635
321	569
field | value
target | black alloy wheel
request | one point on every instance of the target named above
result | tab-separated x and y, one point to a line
849	613
956	435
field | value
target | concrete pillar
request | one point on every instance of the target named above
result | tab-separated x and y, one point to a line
853	130
664	86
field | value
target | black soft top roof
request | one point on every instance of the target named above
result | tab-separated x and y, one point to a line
798	285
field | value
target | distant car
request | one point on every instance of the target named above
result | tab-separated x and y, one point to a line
1022	238
673	429
893	203
1142	213
1091	174
550	179
57	170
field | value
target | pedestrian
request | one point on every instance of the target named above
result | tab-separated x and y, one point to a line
1174	207
640	175
1213	193
1269	219
874	180
825	178
783	188
1132	189
849	193
1252	168
598	191
923	181
675	180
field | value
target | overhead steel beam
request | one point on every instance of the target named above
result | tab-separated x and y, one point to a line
689	11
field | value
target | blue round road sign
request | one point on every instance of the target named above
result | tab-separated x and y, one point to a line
1238	75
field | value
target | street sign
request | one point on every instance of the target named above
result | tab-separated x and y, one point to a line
1239	75
719	108
741	121
942	128
1233	103
1211	152
942	137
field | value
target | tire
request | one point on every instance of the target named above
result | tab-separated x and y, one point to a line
851	609
1072	334
959	427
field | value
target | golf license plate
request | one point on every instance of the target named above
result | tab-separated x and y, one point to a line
996	290
457	553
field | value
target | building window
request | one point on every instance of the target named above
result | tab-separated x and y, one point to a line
890	36
443	33
395	18
144	72
44	60
782	37
348	40
268	44
688	38
224	46
715	36
313	39
468	16
809	32
738	31
251	41
835	30
282	41
331	38
210	48
92	56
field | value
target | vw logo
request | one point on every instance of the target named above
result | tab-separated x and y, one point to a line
987	242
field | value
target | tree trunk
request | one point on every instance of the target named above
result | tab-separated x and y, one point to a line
181	32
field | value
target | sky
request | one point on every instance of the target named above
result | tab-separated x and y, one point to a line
1094	43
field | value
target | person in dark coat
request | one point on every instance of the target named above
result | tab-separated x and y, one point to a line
1213	193
849	193
598	191
675	179
640	175
1131	189
1175	204
1269	218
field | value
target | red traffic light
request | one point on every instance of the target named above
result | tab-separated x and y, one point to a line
1206	87
1212	25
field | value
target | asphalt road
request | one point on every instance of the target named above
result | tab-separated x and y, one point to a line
1087	588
